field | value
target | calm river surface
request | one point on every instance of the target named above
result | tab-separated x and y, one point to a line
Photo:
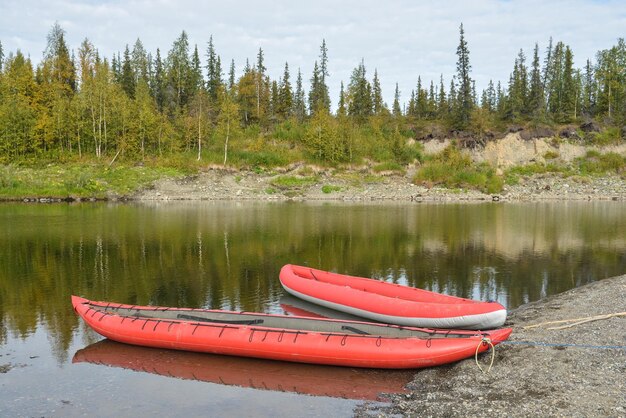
227	255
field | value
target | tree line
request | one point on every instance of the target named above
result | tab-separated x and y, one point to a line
135	104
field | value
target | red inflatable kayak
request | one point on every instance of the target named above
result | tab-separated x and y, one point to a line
280	337
389	302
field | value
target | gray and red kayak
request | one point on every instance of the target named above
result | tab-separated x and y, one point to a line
389	302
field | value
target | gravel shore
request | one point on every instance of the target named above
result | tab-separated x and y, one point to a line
540	373
218	184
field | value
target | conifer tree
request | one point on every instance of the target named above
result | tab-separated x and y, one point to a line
536	99
421	100
195	80
299	105
589	90
274	100
247	94
214	73
453	99
518	86
57	78
157	82
179	69
262	87
570	87
554	89
128	76
231	77
139	62
465	97
323	94
442	105
58	62
341	105
411	106
396	110
432	101
359	95
285	95
377	95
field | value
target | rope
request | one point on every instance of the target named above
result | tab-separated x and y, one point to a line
485	341
544	344
577	321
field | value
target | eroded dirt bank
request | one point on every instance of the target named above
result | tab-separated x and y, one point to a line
535	380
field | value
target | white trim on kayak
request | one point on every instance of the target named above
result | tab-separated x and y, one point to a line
478	321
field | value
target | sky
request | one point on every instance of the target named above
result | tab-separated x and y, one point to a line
401	39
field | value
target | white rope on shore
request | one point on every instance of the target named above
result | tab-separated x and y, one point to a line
575	321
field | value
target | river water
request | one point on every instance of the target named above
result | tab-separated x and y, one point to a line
227	255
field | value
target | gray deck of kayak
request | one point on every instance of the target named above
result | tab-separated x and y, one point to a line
278	322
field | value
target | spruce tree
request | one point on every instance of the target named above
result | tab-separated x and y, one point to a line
214	72
377	95
536	103
589	90
396	110
465	97
60	66
299	105
554	87
432	101
360	103
195	80
128	76
274	100
316	100
411	106
421	101
452	99
178	67
231	77
139	62
518	84
570	88
323	94
262	87
157	83
442	103
285	95
341	106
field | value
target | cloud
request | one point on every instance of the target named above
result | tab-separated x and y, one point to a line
401	39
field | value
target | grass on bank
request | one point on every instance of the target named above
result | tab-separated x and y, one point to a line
78	180
591	164
453	169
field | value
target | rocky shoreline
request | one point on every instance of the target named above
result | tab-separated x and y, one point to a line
217	184
569	372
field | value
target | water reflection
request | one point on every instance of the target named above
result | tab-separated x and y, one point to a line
227	255
306	379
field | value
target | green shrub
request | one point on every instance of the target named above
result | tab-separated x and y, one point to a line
388	166
608	136
288	182
327	188
595	163
453	169
551	155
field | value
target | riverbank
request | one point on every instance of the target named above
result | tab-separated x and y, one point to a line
510	168
534	379
310	183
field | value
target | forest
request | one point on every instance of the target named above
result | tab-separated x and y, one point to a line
186	104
